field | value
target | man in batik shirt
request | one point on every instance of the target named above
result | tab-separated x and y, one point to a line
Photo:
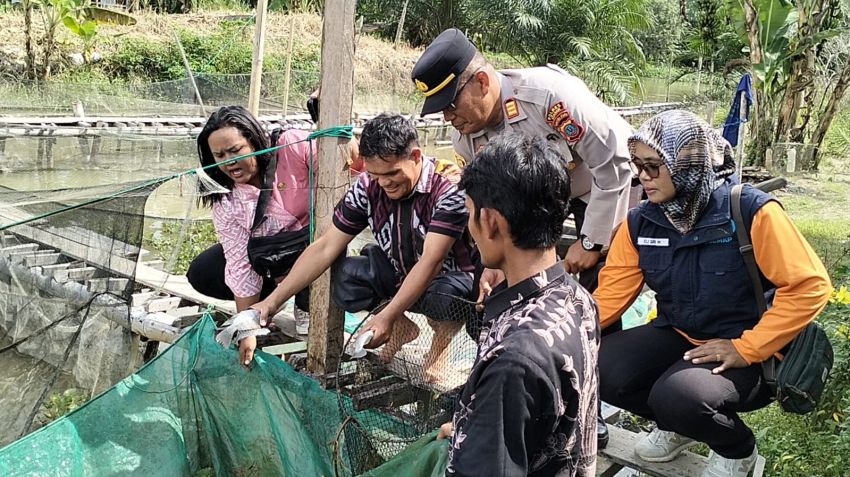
422	257
529	406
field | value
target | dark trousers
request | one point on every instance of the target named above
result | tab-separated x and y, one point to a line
642	371
206	275
363	282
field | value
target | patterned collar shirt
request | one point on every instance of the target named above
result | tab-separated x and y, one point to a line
529	406
399	226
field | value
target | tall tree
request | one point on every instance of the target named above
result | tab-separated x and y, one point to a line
785	43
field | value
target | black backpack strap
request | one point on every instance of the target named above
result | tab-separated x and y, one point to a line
746	247
268	183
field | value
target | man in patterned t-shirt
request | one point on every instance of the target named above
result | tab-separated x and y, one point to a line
529	406
418	218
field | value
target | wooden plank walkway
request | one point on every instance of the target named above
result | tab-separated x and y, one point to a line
107	254
618	458
50	126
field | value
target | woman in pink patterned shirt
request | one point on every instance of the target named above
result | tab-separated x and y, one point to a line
223	271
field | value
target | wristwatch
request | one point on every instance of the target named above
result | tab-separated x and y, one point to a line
590	246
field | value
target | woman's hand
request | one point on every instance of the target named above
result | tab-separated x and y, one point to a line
717	350
246	350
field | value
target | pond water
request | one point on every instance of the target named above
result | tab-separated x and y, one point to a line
77	162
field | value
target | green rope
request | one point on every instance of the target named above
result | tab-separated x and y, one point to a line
334	131
346	132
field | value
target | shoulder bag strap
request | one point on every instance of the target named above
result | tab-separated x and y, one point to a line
746	248
268	183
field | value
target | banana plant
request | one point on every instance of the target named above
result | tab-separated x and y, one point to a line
85	29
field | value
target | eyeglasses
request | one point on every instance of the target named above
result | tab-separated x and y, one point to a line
451	107
652	170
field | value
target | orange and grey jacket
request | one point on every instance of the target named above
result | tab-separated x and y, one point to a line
702	286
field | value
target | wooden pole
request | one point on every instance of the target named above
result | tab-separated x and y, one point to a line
257	64
337	91
400	28
288	65
189	72
709	112
699	73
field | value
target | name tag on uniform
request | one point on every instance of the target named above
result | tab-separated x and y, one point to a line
653	242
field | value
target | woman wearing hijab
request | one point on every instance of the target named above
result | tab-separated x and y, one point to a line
695	366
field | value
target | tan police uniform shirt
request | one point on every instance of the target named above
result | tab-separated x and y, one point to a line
590	135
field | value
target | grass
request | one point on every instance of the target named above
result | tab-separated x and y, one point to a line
817	444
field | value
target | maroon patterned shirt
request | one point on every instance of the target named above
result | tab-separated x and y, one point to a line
399	226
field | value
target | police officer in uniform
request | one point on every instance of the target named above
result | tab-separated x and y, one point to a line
481	103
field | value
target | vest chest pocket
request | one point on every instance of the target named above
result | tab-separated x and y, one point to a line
723	279
655	263
720	259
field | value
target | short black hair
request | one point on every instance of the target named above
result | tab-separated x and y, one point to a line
248	126
387	135
524	178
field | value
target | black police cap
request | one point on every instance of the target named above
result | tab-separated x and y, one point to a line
438	70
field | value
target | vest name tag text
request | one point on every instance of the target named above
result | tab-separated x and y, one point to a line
653	241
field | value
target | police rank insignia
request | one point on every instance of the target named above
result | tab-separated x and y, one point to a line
511	108
559	118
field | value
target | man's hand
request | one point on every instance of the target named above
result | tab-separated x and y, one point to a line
717	350
264	309
489	278
246	350
445	431
578	259
382	325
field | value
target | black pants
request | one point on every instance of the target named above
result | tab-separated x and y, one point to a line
641	370
363	282
206	275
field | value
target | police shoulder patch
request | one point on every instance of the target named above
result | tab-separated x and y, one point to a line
511	108
449	169
560	119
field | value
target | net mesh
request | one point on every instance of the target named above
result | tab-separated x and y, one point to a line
374	93
393	399
96	232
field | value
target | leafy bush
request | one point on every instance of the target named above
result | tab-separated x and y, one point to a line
836	143
226	50
818	443
59	404
181	242
137	57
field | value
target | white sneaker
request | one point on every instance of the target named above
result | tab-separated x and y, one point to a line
302	321
719	466
662	446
